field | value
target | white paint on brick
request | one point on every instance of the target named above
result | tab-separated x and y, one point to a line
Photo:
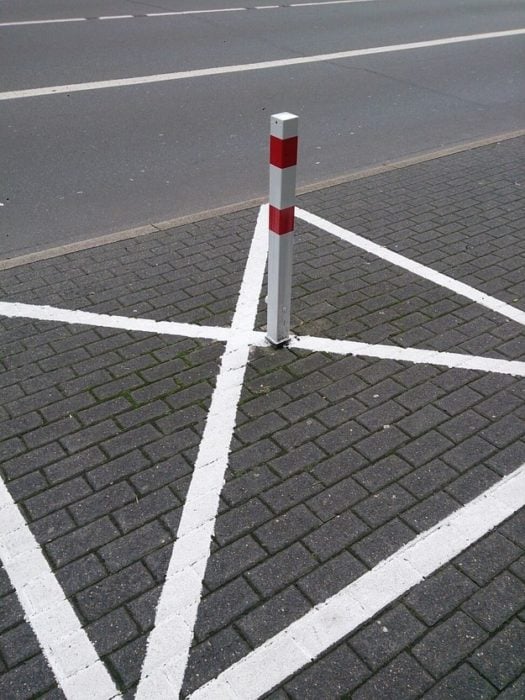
170	640
143	325
329	622
414	355
70	654
416	268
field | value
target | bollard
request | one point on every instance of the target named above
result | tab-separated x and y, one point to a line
283	161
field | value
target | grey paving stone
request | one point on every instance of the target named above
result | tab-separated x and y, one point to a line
336	534
291	492
402	678
336	498
231	560
515	691
281	569
249	484
502	598
500	659
112	631
462	684
211	657
487	558
514	528
329	578
287	528
379	641
57	497
297	460
80	542
106	595
18	644
382	473
223	606
440	594
30	679
384	541
430	511
272	616
235	522
448	643
384	505
336	674
129	548
337	467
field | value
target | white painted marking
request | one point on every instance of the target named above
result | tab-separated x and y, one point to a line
414	355
258	338
116	17
170	640
72	658
143	325
416	268
328	2
329	622
263	65
180	12
43	21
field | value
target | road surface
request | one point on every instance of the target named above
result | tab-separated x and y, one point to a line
116	149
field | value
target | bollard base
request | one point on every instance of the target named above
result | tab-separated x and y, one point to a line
278	343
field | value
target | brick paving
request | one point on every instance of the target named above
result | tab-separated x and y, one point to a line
336	462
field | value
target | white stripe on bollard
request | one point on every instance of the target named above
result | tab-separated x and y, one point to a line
283	160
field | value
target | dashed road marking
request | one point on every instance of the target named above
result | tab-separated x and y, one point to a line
179	13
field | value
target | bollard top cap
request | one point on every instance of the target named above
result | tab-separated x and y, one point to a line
284	125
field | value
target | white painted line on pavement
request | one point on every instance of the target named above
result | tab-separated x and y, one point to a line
451	360
327	623
170	640
117	17
244	67
176	13
75	664
258	338
416	268
43	21
143	325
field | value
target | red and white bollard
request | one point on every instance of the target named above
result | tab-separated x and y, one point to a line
283	161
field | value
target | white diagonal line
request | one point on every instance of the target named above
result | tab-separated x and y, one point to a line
329	622
416	268
427	357
144	325
258	338
262	65
75	664
170	640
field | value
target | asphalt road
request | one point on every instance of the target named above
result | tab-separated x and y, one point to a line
80	164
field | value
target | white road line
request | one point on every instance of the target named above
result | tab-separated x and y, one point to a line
42	21
414	355
75	663
242	68
181	12
143	325
416	268
258	338
170	640
327	623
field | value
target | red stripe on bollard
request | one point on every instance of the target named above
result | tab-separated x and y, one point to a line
281	220
283	152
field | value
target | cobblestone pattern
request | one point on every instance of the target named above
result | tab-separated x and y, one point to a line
462	215
342	292
189	274
100	429
459	634
336	464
